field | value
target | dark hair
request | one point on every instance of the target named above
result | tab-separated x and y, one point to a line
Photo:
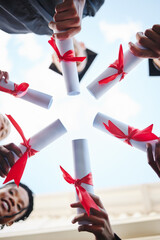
29	209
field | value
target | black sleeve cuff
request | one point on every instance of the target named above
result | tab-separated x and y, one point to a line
91	7
116	237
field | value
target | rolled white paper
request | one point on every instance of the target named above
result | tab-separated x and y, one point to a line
46	136
69	69
130	61
101	118
81	164
41	99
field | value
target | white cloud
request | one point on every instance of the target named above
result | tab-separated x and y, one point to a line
119	105
29	47
123	32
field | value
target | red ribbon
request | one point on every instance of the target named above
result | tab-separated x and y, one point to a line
17	169
19	90
85	199
68	56
119	65
133	133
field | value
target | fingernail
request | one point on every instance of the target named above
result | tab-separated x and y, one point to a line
131	44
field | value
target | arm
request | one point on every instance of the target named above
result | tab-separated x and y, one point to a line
67	18
7	158
154	159
99	221
150	40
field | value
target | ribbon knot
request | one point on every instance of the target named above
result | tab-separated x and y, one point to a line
67	56
19	90
17	169
133	133
85	199
77	182
119	65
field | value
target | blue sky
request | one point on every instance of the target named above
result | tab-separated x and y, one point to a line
134	101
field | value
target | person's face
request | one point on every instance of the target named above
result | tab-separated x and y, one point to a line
12	200
4	127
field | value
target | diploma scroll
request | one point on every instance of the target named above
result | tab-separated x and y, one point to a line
129	62
34	144
132	136
81	165
39	98
69	69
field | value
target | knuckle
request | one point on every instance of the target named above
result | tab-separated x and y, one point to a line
156	54
103	222
148	32
155	26
101	230
106	216
77	20
141	40
58	27
72	4
73	12
11	145
67	35
9	155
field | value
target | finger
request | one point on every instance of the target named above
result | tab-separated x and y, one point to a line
150	158
157	155
152	35
148	43
156	28
67	34
1	75
14	148
67	4
67	24
1	173
5	153
76	205
91	219
89	228
6	76
4	165
71	13
143	53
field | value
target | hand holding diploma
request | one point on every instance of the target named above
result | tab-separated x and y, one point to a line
99	223
32	145
83	176
150	40
7	158
4	76
24	92
67	19
154	157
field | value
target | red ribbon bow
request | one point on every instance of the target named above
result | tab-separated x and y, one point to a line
119	65
17	169
68	56
85	199
133	133
19	90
